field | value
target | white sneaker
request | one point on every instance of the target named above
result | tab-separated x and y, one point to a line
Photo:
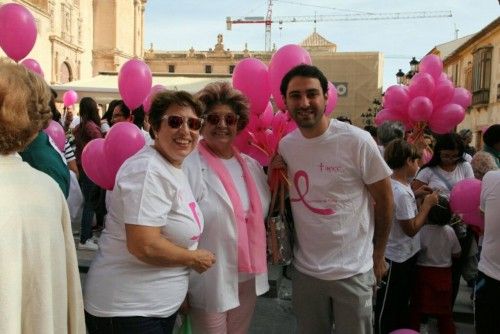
88	245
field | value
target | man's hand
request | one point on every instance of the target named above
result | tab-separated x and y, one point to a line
379	267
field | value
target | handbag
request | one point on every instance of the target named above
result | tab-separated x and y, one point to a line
279	229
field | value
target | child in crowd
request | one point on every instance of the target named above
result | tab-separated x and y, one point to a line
392	303
432	294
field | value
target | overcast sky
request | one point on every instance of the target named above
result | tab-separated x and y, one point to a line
179	25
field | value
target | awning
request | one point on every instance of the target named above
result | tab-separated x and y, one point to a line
104	87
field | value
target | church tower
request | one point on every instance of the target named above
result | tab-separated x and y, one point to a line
118	33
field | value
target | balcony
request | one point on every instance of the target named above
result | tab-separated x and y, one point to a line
481	97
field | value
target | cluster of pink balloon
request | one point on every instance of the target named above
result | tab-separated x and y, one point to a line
259	82
464	201
430	97
101	158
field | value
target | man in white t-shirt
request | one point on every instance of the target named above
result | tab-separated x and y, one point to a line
337	173
488	285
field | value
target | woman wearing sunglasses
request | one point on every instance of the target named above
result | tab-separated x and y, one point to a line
231	190
139	278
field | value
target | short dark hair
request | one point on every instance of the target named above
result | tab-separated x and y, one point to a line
304	70
440	214
491	136
398	151
163	100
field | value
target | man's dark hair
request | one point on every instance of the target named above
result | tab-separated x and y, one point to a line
491	136
304	70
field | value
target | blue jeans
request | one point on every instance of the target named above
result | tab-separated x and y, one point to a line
129	325
88	187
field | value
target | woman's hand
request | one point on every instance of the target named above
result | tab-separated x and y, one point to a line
422	191
201	260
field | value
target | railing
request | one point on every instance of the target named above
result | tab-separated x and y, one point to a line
481	97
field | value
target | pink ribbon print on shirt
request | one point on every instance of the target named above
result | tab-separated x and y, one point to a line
303	192
192	206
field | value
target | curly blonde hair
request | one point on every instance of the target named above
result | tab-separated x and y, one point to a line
24	107
221	92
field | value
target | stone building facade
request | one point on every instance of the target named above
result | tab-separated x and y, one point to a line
357	75
79	38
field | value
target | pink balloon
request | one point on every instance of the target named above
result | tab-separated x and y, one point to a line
33	65
462	96
17	31
396	97
443	92
123	140
56	132
266	117
69	98
445	118
134	82
404	331
420	109
422	84
432	65
251	77
283	60
331	103
465	195
279	123
95	166
474	218
387	115
242	142
149	99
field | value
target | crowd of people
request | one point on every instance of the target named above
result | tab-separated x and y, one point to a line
376	249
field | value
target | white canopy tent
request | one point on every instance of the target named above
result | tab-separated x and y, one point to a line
104	87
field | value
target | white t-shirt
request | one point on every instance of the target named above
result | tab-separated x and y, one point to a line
401	247
429	176
332	208
437	244
149	191
490	205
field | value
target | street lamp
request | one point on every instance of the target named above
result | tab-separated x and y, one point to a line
414	65
399	77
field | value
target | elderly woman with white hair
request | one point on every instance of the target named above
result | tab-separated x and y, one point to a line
40	285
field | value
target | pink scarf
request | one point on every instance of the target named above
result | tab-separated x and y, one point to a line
250	229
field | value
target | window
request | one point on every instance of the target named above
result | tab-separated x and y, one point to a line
208	68
481	75
454	75
231	69
171	68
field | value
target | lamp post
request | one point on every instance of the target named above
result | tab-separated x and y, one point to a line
400	77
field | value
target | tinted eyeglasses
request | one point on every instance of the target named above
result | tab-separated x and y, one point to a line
175	122
215	119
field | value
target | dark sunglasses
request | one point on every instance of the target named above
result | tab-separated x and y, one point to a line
175	122
229	119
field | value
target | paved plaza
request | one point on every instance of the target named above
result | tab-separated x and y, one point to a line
273	314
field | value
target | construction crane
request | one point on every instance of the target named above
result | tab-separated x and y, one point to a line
269	20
